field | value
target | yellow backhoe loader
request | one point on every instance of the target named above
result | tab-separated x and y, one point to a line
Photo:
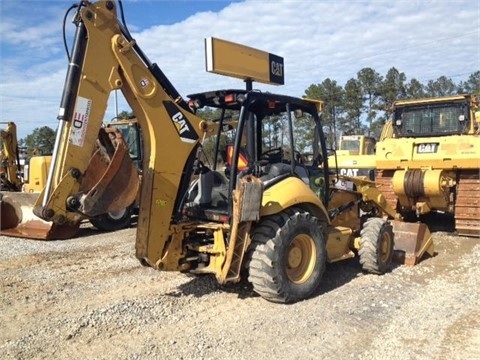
275	222
28	175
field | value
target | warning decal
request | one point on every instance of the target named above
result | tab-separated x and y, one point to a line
81	114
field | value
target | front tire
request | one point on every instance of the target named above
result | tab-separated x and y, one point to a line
376	245
287	256
113	221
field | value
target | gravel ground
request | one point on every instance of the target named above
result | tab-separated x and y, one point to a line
90	298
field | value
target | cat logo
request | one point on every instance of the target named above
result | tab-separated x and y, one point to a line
349	172
276	70
179	120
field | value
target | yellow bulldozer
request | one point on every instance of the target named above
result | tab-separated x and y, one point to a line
275	222
432	161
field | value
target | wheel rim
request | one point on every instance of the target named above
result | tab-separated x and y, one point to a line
117	215
385	247
301	259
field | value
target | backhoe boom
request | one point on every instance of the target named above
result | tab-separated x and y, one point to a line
104	59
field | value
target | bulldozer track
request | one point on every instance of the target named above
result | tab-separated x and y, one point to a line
383	179
467	207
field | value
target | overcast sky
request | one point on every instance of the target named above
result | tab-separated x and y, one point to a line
424	39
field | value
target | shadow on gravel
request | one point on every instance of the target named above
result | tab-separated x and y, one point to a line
87	229
338	274
335	276
201	285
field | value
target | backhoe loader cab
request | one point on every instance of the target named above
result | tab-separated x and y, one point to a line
263	134
279	219
252	145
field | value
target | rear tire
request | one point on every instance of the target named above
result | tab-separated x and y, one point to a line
113	221
287	256
376	245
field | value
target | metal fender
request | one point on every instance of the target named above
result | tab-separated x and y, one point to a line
289	192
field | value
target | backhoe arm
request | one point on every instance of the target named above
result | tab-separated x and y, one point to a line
104	59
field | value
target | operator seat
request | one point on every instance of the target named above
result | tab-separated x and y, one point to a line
210	190
280	171
205	188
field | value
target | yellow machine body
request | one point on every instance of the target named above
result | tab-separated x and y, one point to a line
36	172
355	156
9	159
434	167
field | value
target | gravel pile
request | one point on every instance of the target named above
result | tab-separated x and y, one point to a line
90	298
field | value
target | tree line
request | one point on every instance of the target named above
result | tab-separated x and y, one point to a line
361	106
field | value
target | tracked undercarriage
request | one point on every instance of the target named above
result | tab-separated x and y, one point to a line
467	208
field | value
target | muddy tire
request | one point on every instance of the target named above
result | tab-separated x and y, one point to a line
113	222
287	256
376	245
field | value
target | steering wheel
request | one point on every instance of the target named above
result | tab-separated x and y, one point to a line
277	155
274	155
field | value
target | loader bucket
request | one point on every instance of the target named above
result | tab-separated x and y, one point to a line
110	184
412	241
18	220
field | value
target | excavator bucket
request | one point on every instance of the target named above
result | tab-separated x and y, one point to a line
412	241
110	184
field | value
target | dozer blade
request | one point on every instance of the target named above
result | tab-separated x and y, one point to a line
412	241
18	220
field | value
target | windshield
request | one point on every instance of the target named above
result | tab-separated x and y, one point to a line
431	120
351	145
130	136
